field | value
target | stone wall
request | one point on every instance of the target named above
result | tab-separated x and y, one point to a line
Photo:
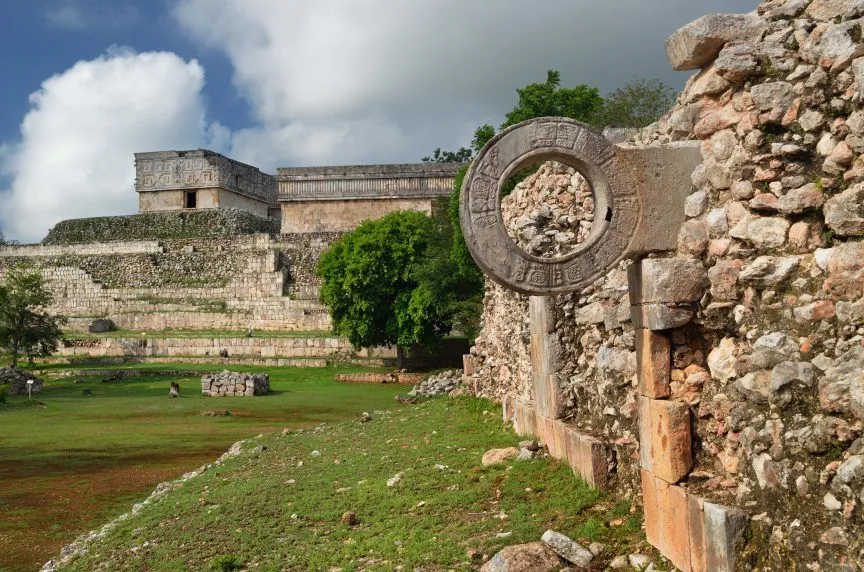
768	370
161	225
236	283
343	215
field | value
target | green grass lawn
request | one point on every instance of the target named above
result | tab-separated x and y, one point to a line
278	506
69	461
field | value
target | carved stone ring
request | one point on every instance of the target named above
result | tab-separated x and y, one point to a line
620	178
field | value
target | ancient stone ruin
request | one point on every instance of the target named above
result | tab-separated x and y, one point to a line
701	351
235	384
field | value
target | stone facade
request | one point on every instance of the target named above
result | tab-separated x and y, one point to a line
721	379
200	179
314	199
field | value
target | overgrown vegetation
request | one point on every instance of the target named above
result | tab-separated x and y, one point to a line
280	505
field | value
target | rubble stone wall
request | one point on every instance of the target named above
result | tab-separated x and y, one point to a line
771	365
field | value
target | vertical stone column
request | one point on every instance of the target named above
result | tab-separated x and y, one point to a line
693	534
545	357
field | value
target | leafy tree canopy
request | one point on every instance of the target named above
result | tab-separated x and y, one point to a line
549	99
371	287
25	328
459	156
638	103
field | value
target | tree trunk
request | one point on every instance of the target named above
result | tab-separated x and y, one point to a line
14	349
400	358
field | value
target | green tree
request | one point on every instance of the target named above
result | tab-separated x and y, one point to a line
371	287
25	328
438	156
549	99
638	103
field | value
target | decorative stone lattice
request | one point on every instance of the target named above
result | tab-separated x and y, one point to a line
230	383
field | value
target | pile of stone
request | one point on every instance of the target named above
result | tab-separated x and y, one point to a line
17	381
550	212
443	382
232	383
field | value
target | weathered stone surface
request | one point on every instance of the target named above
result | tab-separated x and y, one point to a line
773	348
674	525
845	265
773	95
653	355
666	281
658	317
567	548
755	386
798	200
724	276
525	419
724	529
841	390
768	271
497	456
737	62
786	372
698	43
668	439
723	359
837	46
845	212
531	557
762	232
821	310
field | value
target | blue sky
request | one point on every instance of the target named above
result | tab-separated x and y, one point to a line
86	83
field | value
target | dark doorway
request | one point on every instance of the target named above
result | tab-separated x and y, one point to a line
191	201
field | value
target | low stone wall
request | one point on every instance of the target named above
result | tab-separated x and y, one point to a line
405	378
229	383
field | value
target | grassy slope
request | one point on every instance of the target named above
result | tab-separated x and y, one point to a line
280	508
74	461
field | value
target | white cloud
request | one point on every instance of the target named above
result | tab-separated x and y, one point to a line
402	77
75	155
80	15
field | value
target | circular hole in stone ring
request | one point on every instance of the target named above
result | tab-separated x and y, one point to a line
548	209
507	257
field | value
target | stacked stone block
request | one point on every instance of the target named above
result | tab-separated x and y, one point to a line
229	383
694	534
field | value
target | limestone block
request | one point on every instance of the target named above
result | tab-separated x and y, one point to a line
587	457
666	281
674	529
664	438
524	419
671	445
698	43
657	317
653	356
716	534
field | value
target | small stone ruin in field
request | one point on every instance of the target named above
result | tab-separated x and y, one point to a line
237	384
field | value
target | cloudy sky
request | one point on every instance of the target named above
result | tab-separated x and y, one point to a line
86	83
